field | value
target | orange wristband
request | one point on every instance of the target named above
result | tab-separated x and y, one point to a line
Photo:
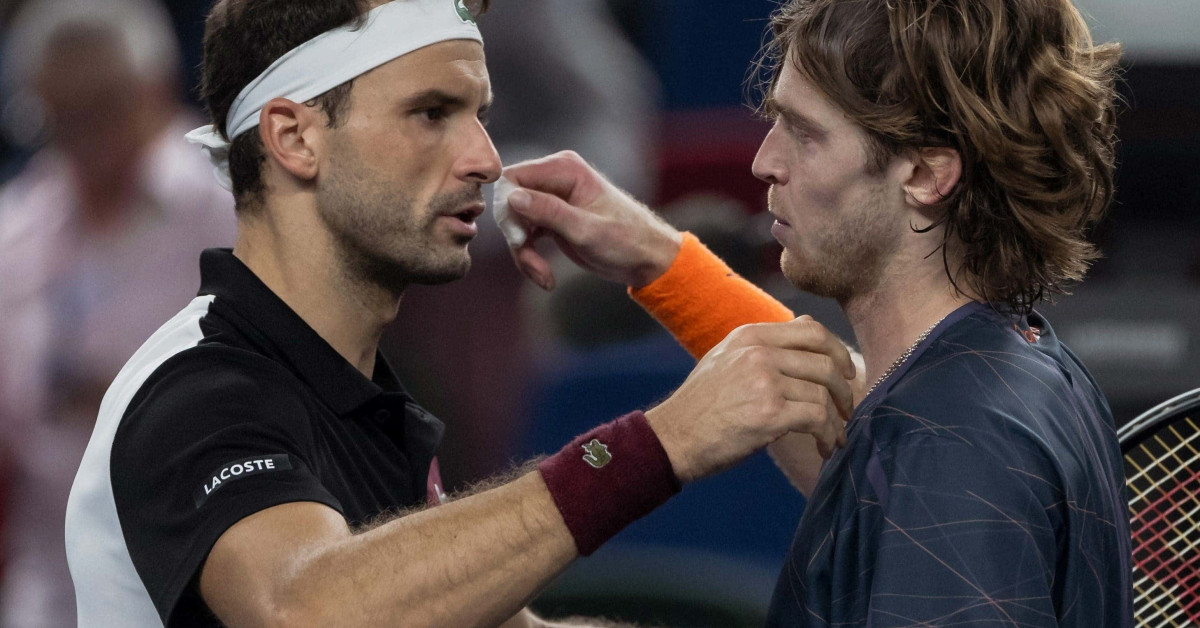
700	299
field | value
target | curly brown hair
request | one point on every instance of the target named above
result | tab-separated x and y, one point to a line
242	38
1017	87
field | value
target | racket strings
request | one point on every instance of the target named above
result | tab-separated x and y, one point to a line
1164	480
1158	476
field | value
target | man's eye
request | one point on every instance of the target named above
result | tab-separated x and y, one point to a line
433	114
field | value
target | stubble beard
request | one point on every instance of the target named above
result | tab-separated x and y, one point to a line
848	257
383	239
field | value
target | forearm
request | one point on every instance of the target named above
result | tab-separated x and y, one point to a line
700	300
474	562
797	457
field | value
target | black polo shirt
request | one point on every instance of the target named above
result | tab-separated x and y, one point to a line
234	406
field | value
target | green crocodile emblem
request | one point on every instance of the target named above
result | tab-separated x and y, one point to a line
597	454
464	13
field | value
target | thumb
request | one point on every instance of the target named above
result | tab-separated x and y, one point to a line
550	213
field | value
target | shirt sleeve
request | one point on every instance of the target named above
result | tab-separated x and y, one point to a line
961	540
214	436
700	299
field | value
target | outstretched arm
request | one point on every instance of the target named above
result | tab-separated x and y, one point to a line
472	562
679	282
479	560
699	299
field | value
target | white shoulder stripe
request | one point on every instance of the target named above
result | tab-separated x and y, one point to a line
108	590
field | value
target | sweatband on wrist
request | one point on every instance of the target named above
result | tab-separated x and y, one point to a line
700	299
608	478
334	57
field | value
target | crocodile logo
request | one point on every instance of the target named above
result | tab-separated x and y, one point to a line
597	454
464	13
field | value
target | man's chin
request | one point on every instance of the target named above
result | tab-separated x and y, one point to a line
446	271
438	279
796	270
807	277
395	273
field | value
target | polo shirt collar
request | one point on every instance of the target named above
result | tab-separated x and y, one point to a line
282	333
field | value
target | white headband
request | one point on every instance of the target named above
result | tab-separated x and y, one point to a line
322	63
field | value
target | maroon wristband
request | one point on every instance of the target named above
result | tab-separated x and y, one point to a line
608	478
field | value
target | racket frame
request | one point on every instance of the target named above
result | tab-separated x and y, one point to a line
1134	432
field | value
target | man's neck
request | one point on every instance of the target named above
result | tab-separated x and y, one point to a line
300	265
890	319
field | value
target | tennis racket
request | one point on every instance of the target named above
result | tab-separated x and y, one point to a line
1162	470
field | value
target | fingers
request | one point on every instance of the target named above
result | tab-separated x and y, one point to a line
803	350
551	213
807	334
813	419
827	427
542	213
804	334
560	174
821	370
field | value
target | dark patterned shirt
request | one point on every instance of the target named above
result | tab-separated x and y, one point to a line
982	485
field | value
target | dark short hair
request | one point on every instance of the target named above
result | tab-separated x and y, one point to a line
1017	87
242	38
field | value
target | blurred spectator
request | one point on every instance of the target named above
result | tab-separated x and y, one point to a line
99	237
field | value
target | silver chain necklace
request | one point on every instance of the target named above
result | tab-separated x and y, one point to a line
904	357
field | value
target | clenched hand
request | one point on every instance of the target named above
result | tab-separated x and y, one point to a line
761	383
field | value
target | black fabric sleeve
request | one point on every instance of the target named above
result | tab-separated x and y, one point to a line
214	435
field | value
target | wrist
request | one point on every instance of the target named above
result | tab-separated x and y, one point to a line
655	418
608	478
660	253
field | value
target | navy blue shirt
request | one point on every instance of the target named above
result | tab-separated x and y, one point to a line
981	485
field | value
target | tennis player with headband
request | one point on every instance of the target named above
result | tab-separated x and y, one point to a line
934	166
257	462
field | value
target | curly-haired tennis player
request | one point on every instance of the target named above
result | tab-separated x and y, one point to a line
934	166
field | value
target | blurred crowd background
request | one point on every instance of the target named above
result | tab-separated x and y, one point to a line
104	210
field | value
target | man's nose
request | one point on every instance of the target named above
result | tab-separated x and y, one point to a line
481	162
769	163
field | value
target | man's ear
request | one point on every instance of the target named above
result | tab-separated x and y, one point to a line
291	137
936	171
